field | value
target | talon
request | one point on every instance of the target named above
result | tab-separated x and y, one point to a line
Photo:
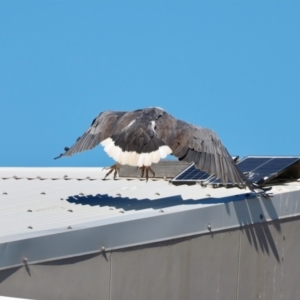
147	169
115	168
110	171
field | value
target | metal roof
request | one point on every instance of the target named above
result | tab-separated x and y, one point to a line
51	213
45	198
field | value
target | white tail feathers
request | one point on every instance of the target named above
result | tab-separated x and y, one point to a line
132	158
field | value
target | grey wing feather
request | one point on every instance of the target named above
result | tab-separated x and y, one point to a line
102	127
199	145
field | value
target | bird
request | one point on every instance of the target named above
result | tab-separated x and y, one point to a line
144	136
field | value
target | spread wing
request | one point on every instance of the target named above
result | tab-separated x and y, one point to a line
105	125
199	145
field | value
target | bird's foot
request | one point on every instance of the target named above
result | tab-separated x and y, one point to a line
114	168
262	190
146	170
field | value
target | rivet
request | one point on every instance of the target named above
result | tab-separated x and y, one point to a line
70	210
43	193
69	227
4	193
102	249
158	194
208	195
29	227
261	216
25	260
122	211
209	227
161	211
29	210
81	194
118	194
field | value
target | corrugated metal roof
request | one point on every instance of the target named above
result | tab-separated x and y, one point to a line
43	198
44	207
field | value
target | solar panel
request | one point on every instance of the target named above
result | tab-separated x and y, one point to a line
267	169
191	174
258	169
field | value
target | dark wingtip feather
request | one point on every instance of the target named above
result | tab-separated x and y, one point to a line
59	156
62	154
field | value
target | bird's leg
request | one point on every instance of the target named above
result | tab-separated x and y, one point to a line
142	171
115	168
151	171
147	169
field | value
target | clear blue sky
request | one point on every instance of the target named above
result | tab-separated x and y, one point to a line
232	66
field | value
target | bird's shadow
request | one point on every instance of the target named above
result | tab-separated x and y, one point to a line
138	204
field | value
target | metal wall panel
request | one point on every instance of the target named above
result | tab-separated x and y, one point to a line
86	277
199	268
259	261
269	261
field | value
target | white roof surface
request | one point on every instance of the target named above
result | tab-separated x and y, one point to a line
39	198
46	206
